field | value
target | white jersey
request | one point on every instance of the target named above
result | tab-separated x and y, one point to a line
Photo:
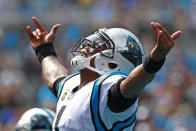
87	109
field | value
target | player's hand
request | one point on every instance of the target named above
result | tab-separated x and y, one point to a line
164	42
40	35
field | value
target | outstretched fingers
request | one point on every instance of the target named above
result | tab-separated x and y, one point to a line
55	28
38	24
31	36
162	40
163	29
156	30
159	35
157	27
166	41
176	35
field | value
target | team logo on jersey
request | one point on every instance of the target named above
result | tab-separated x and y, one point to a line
64	95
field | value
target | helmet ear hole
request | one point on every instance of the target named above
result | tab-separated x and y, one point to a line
112	65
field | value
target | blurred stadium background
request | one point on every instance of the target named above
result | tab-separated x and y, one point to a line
167	104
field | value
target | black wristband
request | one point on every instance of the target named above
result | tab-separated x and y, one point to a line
45	50
152	66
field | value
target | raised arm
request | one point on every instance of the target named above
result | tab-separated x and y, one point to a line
144	73
42	42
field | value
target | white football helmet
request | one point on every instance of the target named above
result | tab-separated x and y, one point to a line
36	119
123	53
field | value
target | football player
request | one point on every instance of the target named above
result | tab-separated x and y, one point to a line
111	71
36	119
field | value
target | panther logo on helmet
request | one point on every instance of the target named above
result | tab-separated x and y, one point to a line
133	54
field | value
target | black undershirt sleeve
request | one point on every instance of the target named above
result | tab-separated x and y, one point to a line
116	102
55	85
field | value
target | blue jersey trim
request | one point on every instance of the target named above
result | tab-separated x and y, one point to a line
61	84
126	123
95	113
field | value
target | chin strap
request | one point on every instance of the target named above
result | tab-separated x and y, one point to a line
96	70
79	62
